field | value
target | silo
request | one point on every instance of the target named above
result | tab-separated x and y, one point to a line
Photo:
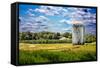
78	31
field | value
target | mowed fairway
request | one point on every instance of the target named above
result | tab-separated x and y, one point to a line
48	53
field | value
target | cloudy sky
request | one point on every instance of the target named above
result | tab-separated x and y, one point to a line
37	18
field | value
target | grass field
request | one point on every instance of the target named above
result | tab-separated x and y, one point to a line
48	53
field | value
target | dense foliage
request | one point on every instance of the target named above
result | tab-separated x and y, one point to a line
43	35
51	37
90	38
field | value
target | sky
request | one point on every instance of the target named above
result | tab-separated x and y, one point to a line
37	18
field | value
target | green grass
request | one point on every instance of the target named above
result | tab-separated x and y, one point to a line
48	53
45	41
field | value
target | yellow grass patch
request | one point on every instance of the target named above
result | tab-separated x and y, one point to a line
57	47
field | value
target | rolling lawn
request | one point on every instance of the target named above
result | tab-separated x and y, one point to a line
49	53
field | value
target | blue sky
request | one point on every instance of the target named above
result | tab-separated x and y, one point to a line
37	18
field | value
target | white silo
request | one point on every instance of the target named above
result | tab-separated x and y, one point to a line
78	31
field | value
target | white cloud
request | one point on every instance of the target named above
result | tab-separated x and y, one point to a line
30	12
43	18
33	23
81	14
65	21
67	29
40	10
50	10
39	22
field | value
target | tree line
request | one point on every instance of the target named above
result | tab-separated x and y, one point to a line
51	37
43	35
